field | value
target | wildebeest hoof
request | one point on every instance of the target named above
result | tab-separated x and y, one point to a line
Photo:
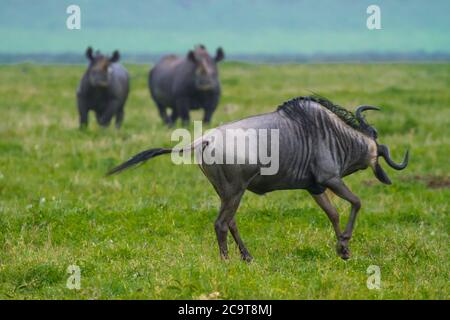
247	257
343	251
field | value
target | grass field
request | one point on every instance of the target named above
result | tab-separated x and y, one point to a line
148	233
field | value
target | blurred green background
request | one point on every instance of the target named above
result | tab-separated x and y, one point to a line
282	27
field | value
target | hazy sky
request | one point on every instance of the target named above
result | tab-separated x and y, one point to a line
240	26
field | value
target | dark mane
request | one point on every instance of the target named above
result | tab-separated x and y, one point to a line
298	105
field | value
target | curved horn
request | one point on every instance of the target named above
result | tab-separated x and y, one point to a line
383	151
361	109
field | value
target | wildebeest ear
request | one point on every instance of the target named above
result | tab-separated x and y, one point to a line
89	53
191	56
220	55
115	56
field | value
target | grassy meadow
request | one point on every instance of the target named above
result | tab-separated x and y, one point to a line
148	233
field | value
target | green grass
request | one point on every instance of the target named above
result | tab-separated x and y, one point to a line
148	233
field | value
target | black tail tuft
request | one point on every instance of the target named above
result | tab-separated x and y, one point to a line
140	157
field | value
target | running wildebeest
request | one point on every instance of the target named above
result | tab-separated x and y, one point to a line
319	143
103	88
186	83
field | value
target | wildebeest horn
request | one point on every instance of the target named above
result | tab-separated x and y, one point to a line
383	151
361	109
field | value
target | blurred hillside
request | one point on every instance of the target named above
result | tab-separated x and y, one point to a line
264	28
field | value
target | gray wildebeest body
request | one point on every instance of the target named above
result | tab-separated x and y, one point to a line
186	83
319	144
103	88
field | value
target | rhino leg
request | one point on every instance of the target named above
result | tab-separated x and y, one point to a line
210	107
173	117
182	109
119	117
104	119
83	111
163	114
207	116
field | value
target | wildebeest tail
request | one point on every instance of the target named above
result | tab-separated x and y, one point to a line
138	158
151	153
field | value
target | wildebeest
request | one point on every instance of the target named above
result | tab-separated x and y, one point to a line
319	143
103	88
186	83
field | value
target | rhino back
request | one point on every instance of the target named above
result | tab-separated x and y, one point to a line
161	78
171	78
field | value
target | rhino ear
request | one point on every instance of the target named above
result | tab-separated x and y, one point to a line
220	55
191	56
89	55
115	56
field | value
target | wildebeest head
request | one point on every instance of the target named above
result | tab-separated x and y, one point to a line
99	67
206	75
382	150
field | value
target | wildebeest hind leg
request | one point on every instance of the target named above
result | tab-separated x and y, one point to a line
235	233
227	211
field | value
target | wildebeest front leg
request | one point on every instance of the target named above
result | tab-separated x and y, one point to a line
340	189
324	202
227	211
245	255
